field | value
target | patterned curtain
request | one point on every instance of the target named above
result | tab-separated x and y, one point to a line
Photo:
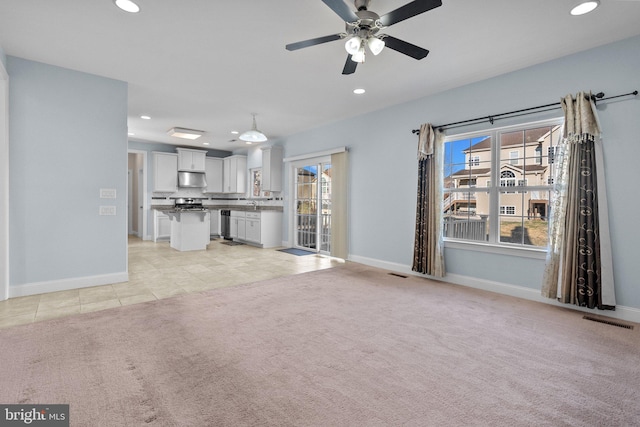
579	266
428	257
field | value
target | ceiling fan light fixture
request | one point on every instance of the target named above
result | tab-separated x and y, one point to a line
353	45
585	7
185	133
253	135
127	6
358	56
375	45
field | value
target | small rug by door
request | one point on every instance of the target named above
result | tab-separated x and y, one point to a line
231	243
297	252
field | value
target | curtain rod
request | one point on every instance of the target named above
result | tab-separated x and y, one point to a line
539	109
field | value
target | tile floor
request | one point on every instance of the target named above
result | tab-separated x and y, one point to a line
156	271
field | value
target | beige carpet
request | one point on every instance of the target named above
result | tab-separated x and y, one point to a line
349	346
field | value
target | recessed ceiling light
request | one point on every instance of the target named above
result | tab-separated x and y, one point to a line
127	6
130	133
145	117
585	7
359	91
205	143
235	132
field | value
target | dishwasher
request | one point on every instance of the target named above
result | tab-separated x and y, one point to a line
225	224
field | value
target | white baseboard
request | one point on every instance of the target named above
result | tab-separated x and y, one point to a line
630	314
66	284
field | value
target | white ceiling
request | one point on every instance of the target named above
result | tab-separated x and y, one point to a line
207	64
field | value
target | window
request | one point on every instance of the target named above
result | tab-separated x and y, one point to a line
539	154
507	179
513	157
497	184
551	155
507	210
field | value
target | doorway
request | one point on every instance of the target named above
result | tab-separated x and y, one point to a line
136	194
312	230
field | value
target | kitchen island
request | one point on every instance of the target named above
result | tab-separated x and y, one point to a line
189	230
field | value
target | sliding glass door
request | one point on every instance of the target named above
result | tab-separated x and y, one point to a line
313	207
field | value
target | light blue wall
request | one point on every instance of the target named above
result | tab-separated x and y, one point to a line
383	163
68	139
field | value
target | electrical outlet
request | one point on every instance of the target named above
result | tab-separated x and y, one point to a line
107	193
107	210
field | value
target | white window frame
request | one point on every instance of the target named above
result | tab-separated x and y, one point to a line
504	210
474	161
494	245
507	181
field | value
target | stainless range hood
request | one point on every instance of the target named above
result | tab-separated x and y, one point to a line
191	179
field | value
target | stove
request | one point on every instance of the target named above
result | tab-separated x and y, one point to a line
183	204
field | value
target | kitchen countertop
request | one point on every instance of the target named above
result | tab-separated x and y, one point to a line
233	208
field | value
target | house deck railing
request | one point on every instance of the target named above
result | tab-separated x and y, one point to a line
456	197
307	229
465	228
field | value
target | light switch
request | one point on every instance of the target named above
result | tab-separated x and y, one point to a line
108	193
107	210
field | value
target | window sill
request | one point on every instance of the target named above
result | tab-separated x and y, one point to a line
518	251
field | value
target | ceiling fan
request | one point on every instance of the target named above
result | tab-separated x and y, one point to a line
362	29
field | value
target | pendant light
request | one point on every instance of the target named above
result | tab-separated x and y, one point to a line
253	135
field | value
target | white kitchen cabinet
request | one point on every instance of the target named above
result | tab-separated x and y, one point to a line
259	228
165	172
252	226
190	230
191	160
161	226
272	168
237	227
213	173
235	174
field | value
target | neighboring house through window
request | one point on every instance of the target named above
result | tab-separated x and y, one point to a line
514	211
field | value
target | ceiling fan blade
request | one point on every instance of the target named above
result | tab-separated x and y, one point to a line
349	66
403	47
339	7
312	42
409	10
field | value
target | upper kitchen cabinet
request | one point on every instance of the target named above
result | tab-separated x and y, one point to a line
165	172
235	174
191	160
213	173
272	168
